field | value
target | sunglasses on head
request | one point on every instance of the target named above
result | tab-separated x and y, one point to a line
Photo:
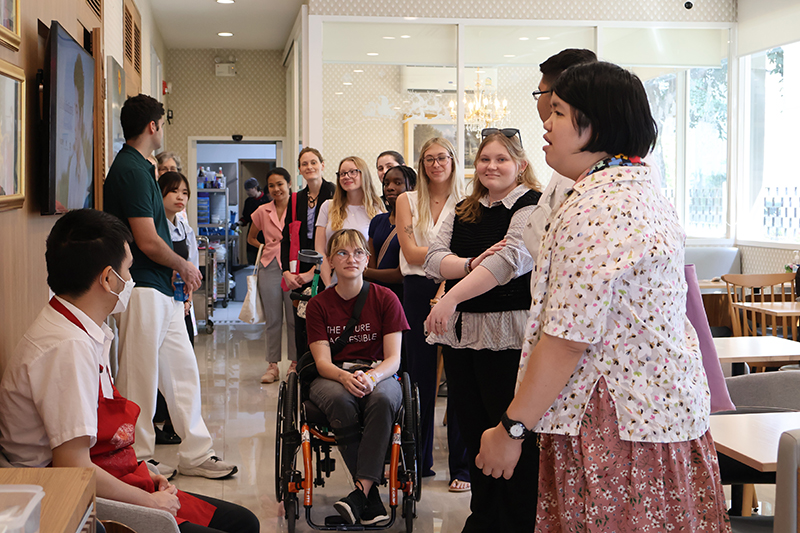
508	132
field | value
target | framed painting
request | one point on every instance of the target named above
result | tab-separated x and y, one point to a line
9	23
116	99
416	132
12	136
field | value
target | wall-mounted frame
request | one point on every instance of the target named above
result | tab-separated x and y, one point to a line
9	23
12	136
416	132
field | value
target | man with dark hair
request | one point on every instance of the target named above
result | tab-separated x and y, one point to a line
155	352
58	404
255	199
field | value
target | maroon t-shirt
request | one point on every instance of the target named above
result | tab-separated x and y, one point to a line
327	315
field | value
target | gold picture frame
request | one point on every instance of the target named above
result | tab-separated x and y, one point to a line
417	131
12	136
9	24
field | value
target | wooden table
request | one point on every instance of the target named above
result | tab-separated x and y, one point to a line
715	302
752	439
69	496
756	350
786	311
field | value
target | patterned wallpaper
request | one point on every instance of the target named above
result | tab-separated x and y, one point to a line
758	260
252	103
660	10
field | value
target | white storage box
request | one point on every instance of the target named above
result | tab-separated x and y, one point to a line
20	508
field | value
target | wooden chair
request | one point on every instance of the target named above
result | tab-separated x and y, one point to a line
749	288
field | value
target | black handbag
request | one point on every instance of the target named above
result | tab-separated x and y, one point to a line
307	367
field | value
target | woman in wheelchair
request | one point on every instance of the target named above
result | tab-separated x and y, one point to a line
356	388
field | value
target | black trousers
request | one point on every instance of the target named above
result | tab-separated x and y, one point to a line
229	518
481	386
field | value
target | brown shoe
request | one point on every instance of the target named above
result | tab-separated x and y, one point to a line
271	374
292	368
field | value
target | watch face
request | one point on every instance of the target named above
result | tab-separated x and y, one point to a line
516	430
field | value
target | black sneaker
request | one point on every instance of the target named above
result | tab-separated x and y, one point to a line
375	511
352	506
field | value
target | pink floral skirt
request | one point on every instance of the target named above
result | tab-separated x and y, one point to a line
596	482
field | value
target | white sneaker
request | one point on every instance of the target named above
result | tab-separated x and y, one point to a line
212	468
167	471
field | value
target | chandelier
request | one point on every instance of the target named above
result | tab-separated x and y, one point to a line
479	109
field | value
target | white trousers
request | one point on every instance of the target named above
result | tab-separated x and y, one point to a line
155	353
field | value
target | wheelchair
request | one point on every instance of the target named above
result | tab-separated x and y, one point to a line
302	426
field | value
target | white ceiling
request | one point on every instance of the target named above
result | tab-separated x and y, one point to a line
255	24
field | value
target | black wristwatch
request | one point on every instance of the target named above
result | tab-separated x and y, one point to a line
516	429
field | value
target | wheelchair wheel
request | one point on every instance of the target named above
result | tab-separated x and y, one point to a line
409	512
287	438
290	506
412	434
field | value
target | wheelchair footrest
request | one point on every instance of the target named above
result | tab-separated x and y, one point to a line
340	525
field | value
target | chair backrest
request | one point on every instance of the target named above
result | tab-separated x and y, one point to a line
786	504
747	288
765	389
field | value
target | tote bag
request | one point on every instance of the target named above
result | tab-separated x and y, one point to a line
252	310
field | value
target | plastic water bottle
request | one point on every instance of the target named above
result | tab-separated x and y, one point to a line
180	295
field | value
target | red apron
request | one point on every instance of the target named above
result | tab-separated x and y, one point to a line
113	452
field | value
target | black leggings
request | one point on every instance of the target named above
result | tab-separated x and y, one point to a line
228	518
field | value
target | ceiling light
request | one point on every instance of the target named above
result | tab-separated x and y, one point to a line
524	38
543	38
358	70
348	83
225	34
372	53
509	55
225	1
396	107
339	92
405	37
406	101
409	18
389	38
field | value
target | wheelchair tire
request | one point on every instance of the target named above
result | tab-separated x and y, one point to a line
290	506
288	440
412	434
279	442
409	512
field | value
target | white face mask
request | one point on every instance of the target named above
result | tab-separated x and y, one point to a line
124	295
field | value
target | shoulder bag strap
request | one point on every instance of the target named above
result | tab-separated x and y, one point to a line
385	246
344	338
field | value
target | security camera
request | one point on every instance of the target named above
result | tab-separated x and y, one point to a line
237	138
688	5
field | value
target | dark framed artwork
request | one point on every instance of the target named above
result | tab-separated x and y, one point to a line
12	136
116	99
416	132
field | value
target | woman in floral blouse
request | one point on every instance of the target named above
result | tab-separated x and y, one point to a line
615	382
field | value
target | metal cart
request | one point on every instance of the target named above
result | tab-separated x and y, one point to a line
204	299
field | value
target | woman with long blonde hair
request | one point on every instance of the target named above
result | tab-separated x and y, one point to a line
480	320
354	203
420	214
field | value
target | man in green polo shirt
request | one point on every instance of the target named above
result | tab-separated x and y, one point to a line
154	349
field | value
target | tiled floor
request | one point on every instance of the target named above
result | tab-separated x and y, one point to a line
240	413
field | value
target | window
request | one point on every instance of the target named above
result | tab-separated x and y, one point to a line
769	199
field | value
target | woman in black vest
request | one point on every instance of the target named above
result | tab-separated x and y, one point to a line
481	319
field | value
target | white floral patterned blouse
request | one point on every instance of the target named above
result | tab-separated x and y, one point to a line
610	273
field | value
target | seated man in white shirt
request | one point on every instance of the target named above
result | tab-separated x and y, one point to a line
58	404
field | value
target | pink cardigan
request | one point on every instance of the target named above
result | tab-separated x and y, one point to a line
266	219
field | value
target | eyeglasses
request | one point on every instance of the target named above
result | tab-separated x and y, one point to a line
349	173
537	94
442	160
508	132
358	254
168	169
